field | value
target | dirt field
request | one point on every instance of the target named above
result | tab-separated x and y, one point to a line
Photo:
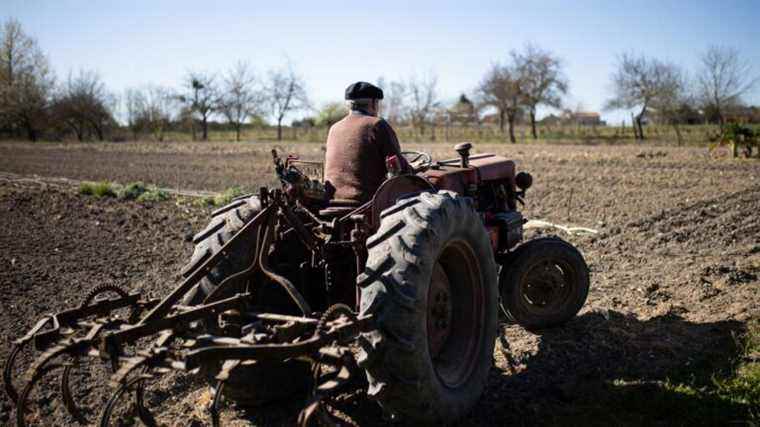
675	267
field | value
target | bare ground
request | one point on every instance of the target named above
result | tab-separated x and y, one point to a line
675	267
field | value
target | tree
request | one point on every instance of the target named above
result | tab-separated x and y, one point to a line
673	98
202	98
26	81
542	80
330	114
423	100
286	93
84	105
501	88
240	98
723	79
394	104
637	83
150	109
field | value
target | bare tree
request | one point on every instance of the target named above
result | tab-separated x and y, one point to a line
723	79
132	108
286	93
202	98
26	81
151	109
395	98
501	88
674	97
240	98
637	83
543	82
423	100
84	105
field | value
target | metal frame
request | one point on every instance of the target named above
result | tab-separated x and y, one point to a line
93	330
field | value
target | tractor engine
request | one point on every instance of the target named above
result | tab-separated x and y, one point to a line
490	180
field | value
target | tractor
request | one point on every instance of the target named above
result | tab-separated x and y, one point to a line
291	292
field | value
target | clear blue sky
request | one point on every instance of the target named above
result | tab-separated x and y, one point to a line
134	42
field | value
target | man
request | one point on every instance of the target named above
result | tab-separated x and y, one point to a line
358	145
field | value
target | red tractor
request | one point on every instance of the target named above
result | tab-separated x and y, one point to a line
289	291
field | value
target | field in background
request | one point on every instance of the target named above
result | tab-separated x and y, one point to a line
569	178
691	134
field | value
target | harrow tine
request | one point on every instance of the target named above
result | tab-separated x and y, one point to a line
214	407
10	362
142	411
125	387
68	398
39	372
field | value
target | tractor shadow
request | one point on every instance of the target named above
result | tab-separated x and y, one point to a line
605	367
601	368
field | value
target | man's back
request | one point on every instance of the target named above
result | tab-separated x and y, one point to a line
355	155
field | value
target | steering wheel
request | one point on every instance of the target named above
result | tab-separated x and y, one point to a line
418	160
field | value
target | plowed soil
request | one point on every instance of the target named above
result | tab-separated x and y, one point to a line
675	264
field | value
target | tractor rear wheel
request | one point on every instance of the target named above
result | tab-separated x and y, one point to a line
249	384
544	283
430	282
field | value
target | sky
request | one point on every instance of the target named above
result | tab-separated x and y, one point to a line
331	44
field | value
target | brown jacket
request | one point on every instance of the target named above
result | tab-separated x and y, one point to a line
355	155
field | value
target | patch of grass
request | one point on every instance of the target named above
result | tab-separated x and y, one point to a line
153	194
98	189
227	195
743	387
132	191
722	398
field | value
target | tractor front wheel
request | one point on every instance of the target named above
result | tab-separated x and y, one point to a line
544	283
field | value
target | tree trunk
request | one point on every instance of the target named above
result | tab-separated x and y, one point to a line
98	131
678	133
237	133
204	123
501	120
279	128
511	119
31	132
533	123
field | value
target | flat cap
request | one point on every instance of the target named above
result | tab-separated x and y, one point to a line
361	90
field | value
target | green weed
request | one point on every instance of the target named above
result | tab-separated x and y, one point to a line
98	189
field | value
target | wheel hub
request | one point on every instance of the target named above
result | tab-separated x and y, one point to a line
439	310
545	285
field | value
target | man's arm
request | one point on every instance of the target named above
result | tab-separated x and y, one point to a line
388	144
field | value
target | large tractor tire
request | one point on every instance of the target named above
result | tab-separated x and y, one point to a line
544	283
248	385
431	284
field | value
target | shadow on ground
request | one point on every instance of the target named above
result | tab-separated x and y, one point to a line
602	368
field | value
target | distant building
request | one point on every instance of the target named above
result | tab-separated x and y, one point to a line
552	120
586	118
580	118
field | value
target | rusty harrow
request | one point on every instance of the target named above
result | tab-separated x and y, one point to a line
181	337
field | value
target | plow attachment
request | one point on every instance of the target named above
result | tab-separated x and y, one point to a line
140	339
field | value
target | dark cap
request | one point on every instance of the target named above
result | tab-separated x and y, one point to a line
361	90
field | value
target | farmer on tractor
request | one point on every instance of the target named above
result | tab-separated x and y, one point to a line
358	145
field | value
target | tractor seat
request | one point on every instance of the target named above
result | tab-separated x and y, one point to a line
339	207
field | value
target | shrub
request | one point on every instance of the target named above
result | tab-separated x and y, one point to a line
133	191
97	189
153	194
